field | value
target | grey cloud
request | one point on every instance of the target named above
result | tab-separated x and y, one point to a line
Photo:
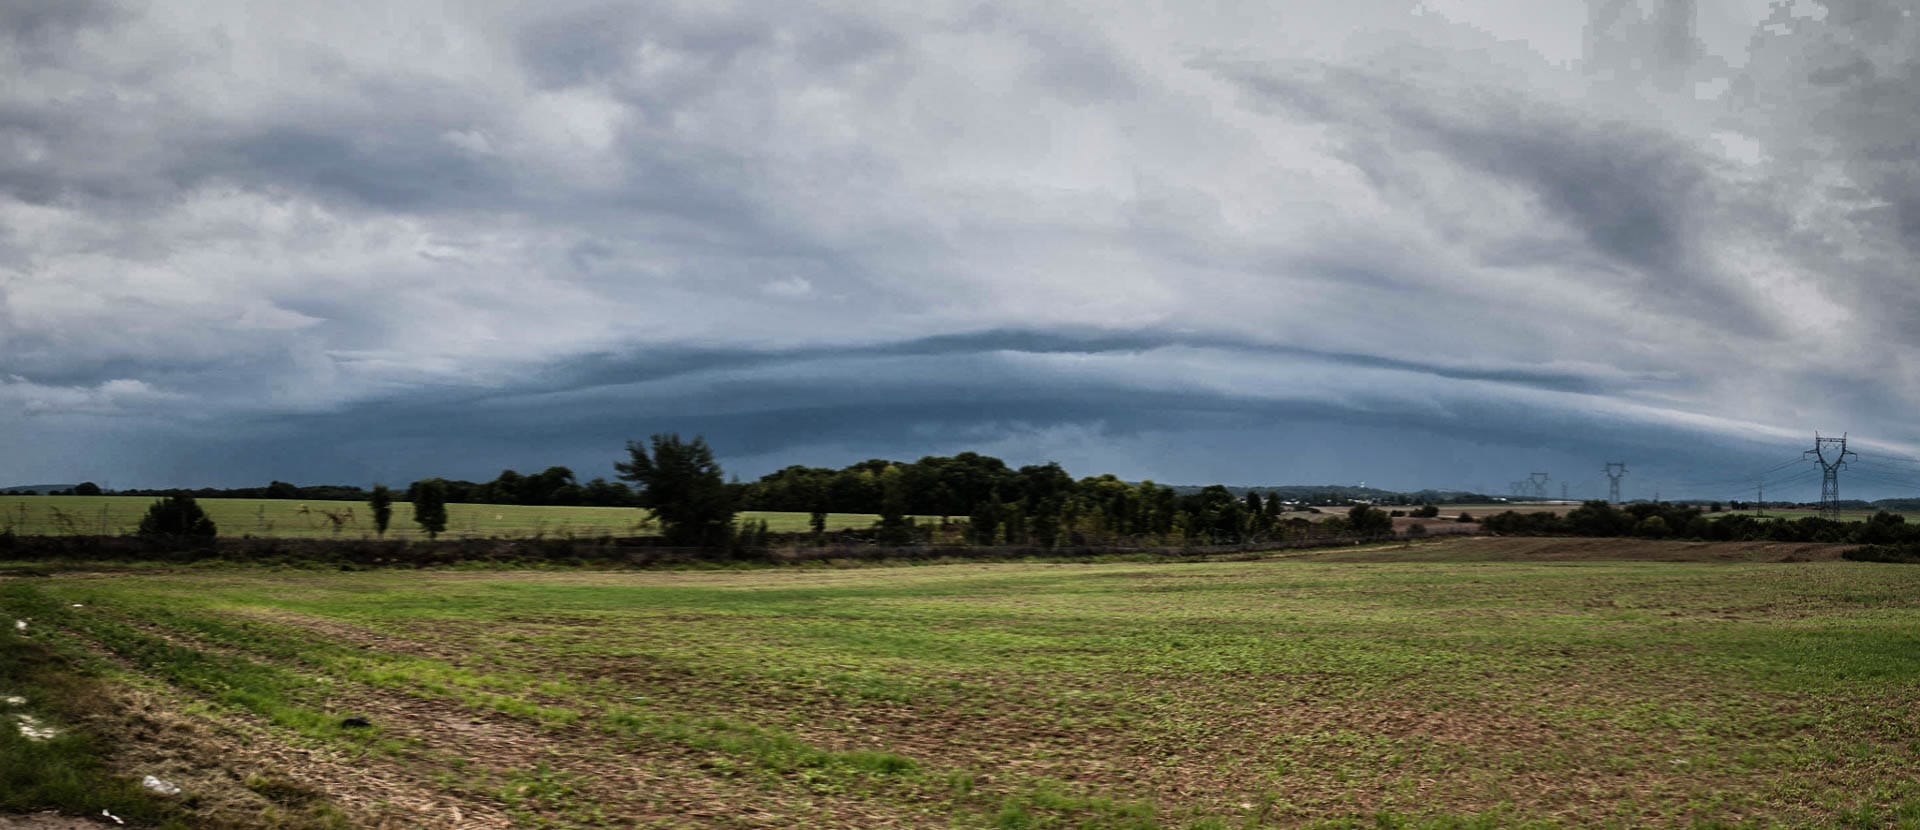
1638	197
658	364
806	421
876	229
38	31
389	175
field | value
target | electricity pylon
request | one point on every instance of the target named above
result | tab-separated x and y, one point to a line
1830	482
1614	470
1539	482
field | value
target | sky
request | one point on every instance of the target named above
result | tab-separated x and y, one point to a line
1410	243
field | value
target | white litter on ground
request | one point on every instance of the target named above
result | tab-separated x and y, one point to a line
19	625
33	730
116	819
13	700
162	787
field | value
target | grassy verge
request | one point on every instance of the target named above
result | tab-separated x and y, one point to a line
67	772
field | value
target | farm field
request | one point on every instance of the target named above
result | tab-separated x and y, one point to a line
1459	683
113	515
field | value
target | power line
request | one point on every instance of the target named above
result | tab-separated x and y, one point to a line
1744	479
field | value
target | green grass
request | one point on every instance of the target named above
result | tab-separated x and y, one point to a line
114	515
1297	692
65	771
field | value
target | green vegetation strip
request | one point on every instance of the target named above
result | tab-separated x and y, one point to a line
44	690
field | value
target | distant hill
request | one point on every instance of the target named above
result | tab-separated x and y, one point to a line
36	489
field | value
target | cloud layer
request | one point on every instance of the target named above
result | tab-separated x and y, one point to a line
1416	243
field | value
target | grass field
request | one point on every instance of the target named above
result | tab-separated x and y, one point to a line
112	515
1465	683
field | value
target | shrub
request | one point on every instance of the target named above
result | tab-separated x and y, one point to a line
1653	527
1369	521
1905	554
381	500
430	506
176	518
1464	518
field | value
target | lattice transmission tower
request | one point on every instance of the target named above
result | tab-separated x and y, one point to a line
1614	470
1539	482
1832	453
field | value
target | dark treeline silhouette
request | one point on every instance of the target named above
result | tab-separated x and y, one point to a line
1038	504
275	490
553	486
1677	521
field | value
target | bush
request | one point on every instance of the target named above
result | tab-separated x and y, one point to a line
177	518
1416	530
1653	527
1465	518
1904	554
430	506
1369	521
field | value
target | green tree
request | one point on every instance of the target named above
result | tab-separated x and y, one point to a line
177	518
895	527
381	500
86	488
430	506
684	487
1654	527
1369	521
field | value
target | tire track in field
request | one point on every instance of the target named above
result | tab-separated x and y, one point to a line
657	783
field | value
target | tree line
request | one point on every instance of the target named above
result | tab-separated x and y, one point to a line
969	497
1665	520
552	486
978	497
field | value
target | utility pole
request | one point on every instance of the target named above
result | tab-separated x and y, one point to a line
1539	481
1614	470
1563	491
1760	499
1830	482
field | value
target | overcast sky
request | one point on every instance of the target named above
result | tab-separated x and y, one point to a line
1416	243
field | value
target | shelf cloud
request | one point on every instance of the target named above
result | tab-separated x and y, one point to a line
1421	243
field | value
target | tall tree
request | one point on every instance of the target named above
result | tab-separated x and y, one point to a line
430	506
684	487
381	500
895	527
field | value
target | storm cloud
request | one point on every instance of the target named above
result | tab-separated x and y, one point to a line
1441	243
